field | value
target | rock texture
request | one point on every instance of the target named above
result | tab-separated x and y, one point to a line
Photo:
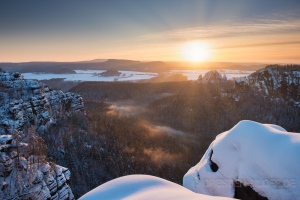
28	177
212	77
24	171
275	81
25	101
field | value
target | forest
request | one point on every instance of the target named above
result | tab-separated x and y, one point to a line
160	129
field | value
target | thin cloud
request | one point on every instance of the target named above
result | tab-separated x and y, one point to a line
258	45
229	29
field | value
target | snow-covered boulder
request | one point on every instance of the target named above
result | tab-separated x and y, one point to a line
260	160
141	187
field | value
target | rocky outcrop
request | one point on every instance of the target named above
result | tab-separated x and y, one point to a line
275	81
24	101
110	72
212	77
24	171
23	176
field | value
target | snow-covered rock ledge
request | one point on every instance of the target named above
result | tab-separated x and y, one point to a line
142	187
260	160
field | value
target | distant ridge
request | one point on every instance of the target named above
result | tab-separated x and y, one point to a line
94	61
123	64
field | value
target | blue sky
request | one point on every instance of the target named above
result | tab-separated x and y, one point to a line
140	29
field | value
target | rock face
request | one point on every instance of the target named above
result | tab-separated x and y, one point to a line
250	161
24	101
28	177
275	80
24	171
212	77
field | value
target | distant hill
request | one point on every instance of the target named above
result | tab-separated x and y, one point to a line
93	61
121	64
53	67
216	65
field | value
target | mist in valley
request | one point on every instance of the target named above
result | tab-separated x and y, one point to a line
159	129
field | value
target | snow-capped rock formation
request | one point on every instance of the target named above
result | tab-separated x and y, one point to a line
212	77
275	80
143	187
260	160
23	178
25	101
24	171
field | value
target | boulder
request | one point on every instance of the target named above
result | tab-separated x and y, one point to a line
250	161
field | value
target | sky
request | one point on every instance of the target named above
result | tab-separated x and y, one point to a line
71	30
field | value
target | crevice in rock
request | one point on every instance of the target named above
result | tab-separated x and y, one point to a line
213	166
246	192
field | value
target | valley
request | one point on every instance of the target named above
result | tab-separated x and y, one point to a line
151	128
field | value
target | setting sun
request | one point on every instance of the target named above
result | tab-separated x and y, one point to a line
195	52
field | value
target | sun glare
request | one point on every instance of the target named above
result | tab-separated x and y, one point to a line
195	52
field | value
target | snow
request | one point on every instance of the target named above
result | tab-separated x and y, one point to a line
262	156
296	73
88	75
142	187
5	138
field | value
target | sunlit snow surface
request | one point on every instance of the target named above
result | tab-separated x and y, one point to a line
142	187
89	75
262	156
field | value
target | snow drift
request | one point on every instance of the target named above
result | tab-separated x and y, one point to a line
141	187
262	157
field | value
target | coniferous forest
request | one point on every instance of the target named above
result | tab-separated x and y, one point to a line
159	129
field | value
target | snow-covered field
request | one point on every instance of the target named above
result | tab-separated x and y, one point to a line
142	187
89	75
